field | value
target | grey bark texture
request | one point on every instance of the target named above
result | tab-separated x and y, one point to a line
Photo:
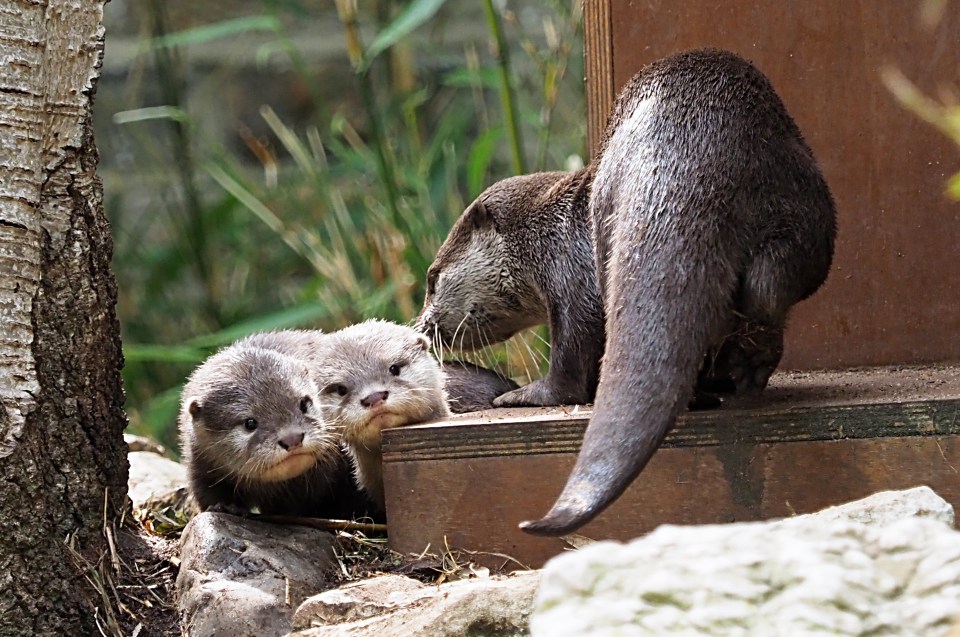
63	466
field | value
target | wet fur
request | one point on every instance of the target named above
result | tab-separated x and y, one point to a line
710	219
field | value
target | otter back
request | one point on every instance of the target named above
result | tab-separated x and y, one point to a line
710	220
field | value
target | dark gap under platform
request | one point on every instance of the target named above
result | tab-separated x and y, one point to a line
810	440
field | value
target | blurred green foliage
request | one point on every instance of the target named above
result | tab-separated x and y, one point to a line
334	221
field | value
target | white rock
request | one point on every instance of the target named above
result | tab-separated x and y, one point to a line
887	506
396	606
153	477
886	565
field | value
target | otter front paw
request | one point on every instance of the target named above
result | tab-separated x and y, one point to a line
540	393
231	509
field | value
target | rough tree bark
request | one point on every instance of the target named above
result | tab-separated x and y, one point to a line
63	468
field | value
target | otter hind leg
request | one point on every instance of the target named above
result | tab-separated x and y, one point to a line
745	358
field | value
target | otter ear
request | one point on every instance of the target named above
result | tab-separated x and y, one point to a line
478	217
424	342
194	408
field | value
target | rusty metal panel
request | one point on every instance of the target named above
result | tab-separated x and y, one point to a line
893	295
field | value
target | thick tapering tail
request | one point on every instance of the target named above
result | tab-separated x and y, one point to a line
667	304
615	450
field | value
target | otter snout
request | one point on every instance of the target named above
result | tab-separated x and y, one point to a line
426	323
291	441
374	399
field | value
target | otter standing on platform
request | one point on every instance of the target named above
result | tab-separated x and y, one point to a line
709	218
374	376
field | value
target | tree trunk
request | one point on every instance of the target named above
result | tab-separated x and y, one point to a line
63	466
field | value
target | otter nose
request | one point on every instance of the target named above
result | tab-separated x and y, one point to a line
426	321
291	441
374	399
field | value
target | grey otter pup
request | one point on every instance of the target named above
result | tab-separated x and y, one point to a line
252	437
710	219
468	387
377	375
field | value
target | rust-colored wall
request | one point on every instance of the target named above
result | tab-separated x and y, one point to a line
893	295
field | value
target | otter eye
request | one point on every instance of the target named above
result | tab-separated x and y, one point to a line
250	424
305	403
432	277
395	369
339	390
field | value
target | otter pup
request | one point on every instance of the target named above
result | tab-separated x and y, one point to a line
253	438
376	375
708	218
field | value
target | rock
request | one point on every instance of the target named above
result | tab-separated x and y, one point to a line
244	578
142	443
886	565
397	606
887	506
155	478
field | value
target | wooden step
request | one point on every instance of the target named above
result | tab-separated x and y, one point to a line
810	440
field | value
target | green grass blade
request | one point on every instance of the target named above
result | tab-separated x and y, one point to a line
298	316
135	353
415	14
216	31
478	161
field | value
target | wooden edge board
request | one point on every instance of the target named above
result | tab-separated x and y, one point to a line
564	432
598	68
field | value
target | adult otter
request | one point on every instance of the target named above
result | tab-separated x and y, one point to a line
710	219
519	256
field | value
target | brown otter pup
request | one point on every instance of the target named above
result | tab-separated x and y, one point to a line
377	375
253	438
708	218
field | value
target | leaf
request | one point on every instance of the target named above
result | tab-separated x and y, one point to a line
478	161
415	14
216	31
163	353
953	187
288	318
468	78
196	349
150	112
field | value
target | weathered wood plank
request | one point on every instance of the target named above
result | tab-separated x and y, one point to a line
476	503
467	483
598	63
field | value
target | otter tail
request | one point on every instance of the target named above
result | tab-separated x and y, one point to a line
654	352
670	249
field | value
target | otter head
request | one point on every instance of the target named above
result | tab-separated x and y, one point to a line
479	292
377	375
254	415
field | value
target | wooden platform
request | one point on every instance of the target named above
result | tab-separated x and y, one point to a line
809	441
